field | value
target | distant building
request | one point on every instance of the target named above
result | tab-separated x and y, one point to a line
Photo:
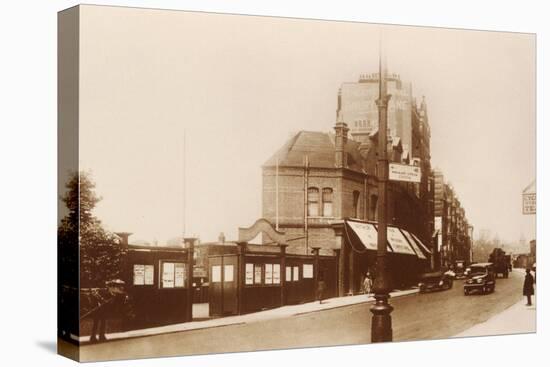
452	230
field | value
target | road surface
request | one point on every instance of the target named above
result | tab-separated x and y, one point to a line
416	317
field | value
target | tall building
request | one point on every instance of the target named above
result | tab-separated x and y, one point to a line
359	110
407	121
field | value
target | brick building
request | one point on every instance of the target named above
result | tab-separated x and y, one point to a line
317	177
407	121
453	232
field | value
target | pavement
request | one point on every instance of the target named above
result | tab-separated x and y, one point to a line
517	319
339	321
271	314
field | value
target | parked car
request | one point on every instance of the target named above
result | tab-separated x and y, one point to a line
481	278
437	280
460	269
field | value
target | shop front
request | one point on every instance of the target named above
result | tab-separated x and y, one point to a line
408	256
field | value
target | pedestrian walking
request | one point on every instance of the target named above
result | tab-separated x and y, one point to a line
367	283
321	288
528	286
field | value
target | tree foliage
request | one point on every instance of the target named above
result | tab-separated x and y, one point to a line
80	233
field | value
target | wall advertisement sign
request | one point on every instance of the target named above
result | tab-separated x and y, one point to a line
216	274
149	274
307	271
179	274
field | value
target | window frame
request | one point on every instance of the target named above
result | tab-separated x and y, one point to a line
310	191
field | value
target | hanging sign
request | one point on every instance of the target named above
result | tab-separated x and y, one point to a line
404	172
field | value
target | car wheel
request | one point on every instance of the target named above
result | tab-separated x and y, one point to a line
466	292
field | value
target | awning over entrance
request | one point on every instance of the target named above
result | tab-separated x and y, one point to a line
400	241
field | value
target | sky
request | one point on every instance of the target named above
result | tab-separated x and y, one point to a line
237	87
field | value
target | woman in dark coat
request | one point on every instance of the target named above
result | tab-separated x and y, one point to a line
528	289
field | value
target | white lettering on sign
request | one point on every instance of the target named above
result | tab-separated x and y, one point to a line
404	172
530	203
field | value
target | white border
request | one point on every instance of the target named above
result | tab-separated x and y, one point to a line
28	184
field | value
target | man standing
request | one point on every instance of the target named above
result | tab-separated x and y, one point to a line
109	303
528	288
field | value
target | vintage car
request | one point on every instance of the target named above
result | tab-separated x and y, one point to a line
460	269
481	278
435	281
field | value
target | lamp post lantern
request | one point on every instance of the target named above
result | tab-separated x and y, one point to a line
381	327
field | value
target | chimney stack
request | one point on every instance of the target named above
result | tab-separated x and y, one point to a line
123	238
341	130
221	238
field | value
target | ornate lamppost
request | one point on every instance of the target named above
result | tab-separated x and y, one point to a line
381	327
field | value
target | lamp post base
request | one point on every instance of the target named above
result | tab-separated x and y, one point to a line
381	328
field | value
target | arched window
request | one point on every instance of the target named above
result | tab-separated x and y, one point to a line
313	202
356	196
327	202
373	204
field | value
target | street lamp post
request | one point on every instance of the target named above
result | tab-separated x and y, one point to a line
381	328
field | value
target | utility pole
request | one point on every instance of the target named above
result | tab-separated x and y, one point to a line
381	327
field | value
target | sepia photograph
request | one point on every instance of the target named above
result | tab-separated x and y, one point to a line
235	183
